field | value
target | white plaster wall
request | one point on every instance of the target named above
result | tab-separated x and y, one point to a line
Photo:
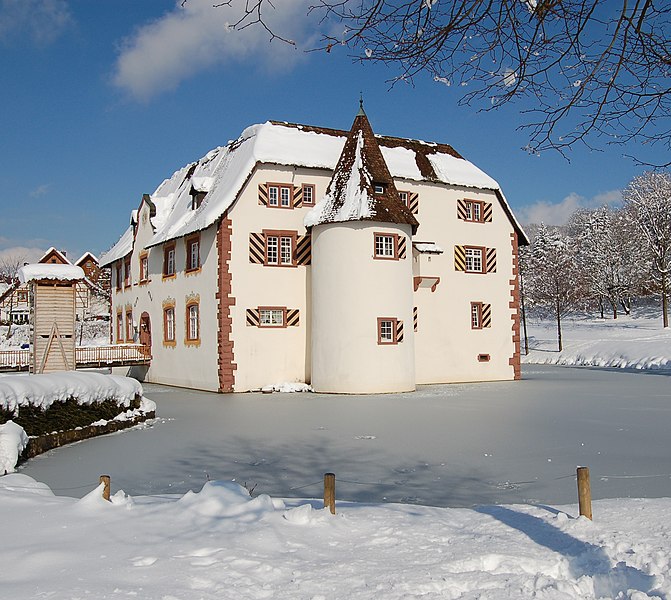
266	356
183	365
446	347
350	290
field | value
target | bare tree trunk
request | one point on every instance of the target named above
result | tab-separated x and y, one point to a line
613	305
9	320
559	340
601	306
665	299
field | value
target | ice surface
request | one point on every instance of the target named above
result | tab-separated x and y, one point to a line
456	445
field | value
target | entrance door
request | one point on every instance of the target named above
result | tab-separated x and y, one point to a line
145	330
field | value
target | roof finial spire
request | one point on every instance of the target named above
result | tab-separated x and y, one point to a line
361	112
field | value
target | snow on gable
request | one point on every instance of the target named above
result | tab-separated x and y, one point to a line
355	203
459	171
222	174
39	271
402	163
225	170
123	247
286	145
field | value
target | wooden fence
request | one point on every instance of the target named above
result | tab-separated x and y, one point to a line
118	355
14	360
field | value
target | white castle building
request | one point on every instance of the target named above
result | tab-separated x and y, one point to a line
354	262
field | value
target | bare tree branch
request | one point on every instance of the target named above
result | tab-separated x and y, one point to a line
594	72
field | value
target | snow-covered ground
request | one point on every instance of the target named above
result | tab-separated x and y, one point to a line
219	544
632	342
89	333
452	445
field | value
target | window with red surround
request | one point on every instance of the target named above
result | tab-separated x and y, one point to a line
272	316
130	333
476	315
193	253
169	325
144	267
475	259
404	197
386	246
308	194
119	327
192	323
280	248
169	260
387	328
126	268
280	195
119	275
474	210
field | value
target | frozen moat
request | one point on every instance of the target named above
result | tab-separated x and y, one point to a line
450	445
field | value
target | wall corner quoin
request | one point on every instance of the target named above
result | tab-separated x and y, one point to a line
516	359
225	346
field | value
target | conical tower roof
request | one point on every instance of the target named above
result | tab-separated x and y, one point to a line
362	188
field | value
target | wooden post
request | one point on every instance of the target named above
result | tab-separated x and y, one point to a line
106	490
329	491
584	493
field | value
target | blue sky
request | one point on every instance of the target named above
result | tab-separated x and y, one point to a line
103	99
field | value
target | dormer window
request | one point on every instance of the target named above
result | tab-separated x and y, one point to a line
379	188
196	199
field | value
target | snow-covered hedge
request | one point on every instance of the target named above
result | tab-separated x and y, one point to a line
87	388
63	407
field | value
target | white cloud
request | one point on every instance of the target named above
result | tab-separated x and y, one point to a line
197	36
24	253
40	190
43	21
558	213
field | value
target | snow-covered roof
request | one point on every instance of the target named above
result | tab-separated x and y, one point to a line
223	172
427	247
123	247
362	187
39	271
60	254
86	255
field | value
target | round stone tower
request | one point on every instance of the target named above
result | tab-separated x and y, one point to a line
362	315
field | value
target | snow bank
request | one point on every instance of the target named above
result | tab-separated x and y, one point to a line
86	388
13	440
221	543
630	342
288	387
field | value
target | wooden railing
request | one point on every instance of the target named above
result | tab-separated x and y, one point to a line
118	355
114	355
14	360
